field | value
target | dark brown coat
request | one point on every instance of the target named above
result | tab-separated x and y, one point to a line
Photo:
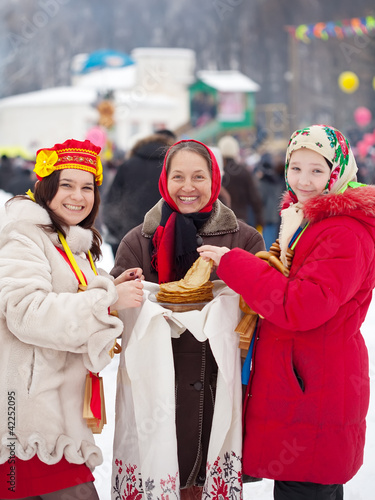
222	229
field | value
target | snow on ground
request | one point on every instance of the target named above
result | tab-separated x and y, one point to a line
361	487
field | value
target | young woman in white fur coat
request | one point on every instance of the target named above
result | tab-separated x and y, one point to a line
51	336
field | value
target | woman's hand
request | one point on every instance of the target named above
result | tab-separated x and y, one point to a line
129	275
130	294
208	252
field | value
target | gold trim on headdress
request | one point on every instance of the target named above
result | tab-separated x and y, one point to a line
49	160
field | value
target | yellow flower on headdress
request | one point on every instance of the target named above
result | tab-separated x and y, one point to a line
45	163
99	172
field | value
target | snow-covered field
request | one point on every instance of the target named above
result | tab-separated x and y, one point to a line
361	487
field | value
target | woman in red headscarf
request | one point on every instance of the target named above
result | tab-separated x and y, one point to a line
165	246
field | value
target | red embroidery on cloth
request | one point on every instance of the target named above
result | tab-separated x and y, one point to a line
225	481
226	478
128	484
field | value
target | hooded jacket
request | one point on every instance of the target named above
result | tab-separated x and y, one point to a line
134	189
308	392
50	337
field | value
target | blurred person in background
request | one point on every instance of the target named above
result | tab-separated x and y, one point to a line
365	155
134	188
270	175
6	172
240	183
224	196
23	177
110	167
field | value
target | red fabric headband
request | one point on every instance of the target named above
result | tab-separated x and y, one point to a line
215	174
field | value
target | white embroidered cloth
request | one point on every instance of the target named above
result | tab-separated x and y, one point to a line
145	464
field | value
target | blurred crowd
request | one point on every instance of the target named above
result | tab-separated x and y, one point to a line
252	180
252	184
363	141
16	174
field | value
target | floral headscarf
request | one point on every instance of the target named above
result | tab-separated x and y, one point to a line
330	143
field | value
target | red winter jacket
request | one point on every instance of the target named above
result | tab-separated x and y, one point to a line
308	393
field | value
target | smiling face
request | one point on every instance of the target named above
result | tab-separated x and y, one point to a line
74	199
308	174
189	181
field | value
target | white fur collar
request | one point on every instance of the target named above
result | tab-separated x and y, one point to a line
78	238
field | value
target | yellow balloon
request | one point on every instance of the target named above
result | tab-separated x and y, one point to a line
373	83
348	82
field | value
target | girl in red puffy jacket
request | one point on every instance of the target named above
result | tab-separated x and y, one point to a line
308	393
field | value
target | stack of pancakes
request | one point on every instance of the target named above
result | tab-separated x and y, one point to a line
192	288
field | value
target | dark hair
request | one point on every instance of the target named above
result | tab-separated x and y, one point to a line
328	163
44	192
165	131
192	146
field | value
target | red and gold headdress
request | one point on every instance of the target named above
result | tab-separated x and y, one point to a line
82	155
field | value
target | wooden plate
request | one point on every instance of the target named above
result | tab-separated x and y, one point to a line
192	306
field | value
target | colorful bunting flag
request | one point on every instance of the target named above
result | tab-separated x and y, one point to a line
333	29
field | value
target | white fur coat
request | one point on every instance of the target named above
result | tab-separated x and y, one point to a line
50	335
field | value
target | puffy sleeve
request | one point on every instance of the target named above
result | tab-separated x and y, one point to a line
40	306
331	274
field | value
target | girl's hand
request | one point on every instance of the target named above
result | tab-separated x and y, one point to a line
130	294
129	275
208	252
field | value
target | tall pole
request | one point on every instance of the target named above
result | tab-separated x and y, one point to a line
293	79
